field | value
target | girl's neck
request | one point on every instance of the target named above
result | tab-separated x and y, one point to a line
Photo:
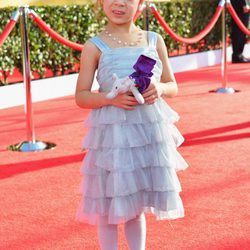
119	29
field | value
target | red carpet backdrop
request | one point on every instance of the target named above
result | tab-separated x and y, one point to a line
40	191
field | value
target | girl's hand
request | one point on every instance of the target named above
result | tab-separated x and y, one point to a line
152	93
125	101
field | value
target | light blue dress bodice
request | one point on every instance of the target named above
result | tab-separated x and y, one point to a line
121	60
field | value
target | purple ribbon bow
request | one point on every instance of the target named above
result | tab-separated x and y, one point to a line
143	72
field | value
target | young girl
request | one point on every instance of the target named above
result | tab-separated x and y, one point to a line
131	164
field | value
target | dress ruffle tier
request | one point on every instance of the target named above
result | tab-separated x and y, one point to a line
131	164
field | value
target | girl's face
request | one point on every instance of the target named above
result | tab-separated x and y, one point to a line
120	11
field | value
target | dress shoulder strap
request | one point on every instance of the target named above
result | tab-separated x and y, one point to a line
152	39
100	44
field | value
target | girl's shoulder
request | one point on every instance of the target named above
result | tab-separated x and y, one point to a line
98	43
152	33
157	39
90	51
156	35
90	47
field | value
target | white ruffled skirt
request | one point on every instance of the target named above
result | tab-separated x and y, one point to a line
131	164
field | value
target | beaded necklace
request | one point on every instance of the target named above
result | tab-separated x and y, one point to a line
124	43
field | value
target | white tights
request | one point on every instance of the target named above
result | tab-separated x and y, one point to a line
135	232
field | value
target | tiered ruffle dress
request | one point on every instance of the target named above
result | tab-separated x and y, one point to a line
131	163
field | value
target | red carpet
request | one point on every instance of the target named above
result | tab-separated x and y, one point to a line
39	191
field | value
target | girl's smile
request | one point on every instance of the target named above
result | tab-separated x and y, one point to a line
118	12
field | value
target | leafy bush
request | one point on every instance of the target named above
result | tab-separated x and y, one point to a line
79	23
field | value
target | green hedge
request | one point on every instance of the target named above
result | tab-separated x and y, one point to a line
79	23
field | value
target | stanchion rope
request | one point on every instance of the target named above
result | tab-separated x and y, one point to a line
196	38
237	19
52	33
9	27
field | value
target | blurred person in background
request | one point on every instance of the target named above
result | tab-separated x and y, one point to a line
239	39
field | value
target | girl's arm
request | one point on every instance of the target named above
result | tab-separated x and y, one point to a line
83	96
168	86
